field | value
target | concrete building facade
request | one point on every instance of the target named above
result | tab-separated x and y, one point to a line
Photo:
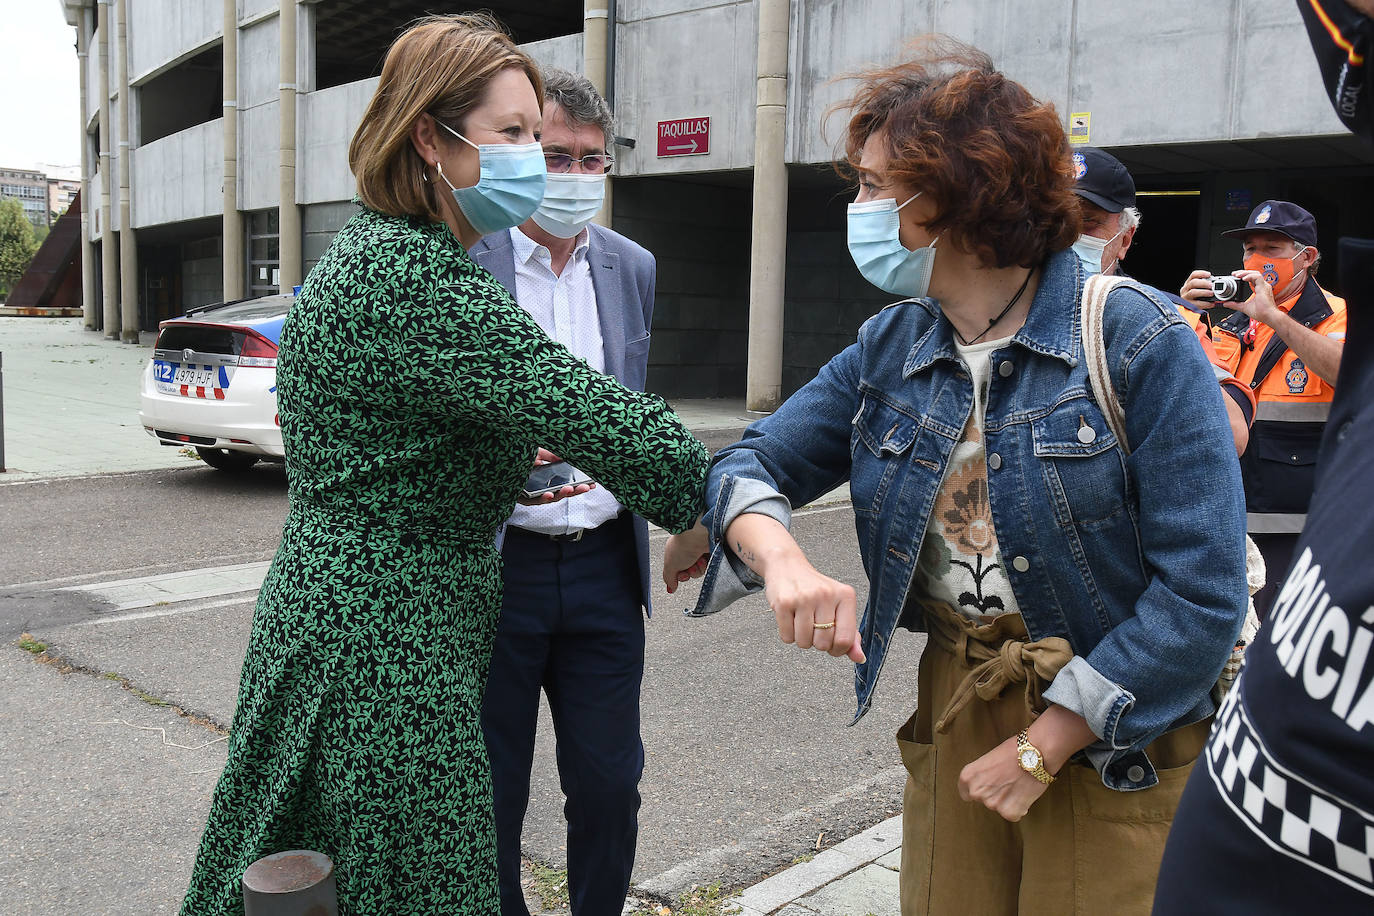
215	163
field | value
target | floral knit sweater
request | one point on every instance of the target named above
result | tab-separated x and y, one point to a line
960	562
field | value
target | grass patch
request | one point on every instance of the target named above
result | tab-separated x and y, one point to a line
29	644
128	685
551	885
701	900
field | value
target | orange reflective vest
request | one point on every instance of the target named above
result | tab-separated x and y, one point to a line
1292	407
1202	327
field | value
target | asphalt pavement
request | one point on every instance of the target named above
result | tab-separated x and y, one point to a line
140	583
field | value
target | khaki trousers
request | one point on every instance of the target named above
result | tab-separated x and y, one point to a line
1082	849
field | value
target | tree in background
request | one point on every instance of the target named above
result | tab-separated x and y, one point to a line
17	244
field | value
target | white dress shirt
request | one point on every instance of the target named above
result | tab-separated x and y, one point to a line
564	305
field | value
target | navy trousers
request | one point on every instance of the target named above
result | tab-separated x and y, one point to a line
1277	550
571	625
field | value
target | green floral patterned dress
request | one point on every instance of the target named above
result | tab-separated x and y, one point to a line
412	393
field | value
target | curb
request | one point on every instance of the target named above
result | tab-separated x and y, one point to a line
774	893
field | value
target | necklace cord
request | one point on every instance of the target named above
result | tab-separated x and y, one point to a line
1000	315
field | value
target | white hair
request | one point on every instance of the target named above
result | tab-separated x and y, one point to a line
1130	218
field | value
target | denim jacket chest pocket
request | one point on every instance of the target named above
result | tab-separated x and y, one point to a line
880	439
1083	469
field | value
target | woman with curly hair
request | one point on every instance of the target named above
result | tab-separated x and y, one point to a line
1080	594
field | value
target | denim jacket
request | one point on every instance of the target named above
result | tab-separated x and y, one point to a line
1139	561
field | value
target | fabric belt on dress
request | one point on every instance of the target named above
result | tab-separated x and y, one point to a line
997	655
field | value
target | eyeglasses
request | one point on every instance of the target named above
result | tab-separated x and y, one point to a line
562	162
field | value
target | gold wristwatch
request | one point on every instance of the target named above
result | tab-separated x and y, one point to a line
1029	758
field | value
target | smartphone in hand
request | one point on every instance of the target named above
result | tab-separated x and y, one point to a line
552	477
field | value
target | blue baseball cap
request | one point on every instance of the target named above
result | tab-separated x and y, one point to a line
1100	177
1282	217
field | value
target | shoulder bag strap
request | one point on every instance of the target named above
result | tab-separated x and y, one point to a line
1093	306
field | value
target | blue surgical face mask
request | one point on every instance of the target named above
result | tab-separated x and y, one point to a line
509	188
1089	250
570	203
879	253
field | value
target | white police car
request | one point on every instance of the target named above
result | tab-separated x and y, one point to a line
212	382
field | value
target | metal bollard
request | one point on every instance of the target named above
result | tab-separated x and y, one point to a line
299	882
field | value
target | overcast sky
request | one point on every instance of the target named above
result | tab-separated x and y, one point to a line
40	91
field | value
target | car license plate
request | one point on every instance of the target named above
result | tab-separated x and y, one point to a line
191	380
195	376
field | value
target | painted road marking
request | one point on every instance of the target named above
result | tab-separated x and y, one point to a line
170	611
170	588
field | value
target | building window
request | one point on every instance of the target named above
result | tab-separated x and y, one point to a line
264	253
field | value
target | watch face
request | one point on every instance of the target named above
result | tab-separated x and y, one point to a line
1029	759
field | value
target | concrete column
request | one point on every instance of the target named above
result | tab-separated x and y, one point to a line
596	35
128	250
768	250
89	319
290	238
235	268
109	252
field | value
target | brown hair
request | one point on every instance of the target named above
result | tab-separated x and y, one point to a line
994	161
440	66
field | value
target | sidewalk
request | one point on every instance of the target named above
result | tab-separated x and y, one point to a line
857	877
71	402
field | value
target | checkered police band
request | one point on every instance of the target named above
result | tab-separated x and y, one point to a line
1288	813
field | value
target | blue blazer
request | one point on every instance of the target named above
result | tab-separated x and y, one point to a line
623	276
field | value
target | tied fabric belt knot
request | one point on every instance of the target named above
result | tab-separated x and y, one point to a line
998	654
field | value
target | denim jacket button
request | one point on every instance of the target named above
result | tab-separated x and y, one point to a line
1020	564
994	461
1087	435
1135	773
1006	368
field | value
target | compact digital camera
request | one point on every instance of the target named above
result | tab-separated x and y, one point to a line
1230	289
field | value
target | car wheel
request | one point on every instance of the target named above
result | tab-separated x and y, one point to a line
223	459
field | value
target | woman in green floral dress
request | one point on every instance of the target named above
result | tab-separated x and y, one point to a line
413	394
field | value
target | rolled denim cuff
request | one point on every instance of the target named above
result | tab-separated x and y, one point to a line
750	495
728	578
1081	688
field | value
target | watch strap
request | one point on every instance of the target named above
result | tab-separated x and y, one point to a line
1023	744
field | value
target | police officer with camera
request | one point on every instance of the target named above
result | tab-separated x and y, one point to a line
1285	341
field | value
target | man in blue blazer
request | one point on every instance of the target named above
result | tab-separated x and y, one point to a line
576	571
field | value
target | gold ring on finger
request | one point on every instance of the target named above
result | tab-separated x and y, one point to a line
823	626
